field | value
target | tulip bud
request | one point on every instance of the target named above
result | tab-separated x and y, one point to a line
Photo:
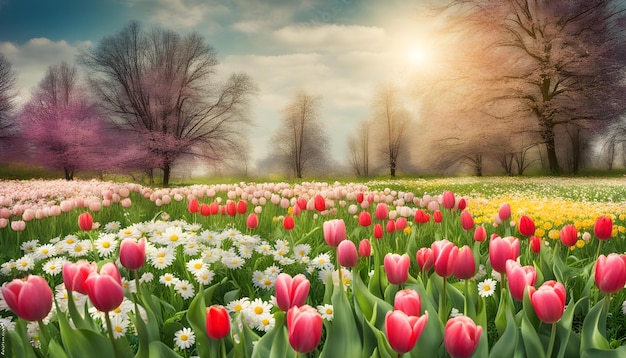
467	222
397	268
205	210
347	254
390	227
501	250
464	264
365	248
365	219
304	328
291	291
105	289
526	226
444	257
408	301
480	234
334	232
378	231
193	206
461	205
535	244
569	235
421	217
519	278
133	254
425	259
400	223
75	274
217	322
242	207
448	200
403	331
603	228
381	211
610	274
288	223
437	216
85	221
30	299
320	203
252	221
231	208
461	337
548	301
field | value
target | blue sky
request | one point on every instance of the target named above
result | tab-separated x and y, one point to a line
340	50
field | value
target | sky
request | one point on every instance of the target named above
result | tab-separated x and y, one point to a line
339	50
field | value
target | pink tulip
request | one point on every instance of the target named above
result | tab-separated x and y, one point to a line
603	228
133	253
444	257
365	219
501	250
400	223
291	291
365	248
18	225
408	301
548	301
519	278
214	208
381	211
304	328
397	268
347	254
30	299
75	274
105	289
526	226
217	322
85	221
360	197
403	331
252	221
425	259
464	264
480	234
461	337
126	203
569	235
467	222
610	275
448	200
334	232
301	202
505	212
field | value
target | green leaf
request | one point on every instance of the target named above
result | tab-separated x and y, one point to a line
343	338
56	350
158	349
18	342
530	338
247	338
367	303
383	349
275	343
507	344
604	353
505	307
196	316
564	329
591	338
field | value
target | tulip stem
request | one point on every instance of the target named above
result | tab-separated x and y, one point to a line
110	330
45	336
599	247
466	297
552	339
136	281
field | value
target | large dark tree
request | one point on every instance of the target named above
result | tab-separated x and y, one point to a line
7	104
162	86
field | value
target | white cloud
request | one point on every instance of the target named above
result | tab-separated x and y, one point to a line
331	37
185	13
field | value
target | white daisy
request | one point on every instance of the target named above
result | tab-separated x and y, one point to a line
323	262
195	265
239	305
173	236
266	322
129	232
25	263
168	279
455	313
185	338
245	251
264	248
129	286
54	266
624	307
301	251
112	227
205	276
191	247
326	311
162	257
146	277
7	267
256	310
44	251
119	323
80	248
211	255
487	287
184	288
7	323
210	238
105	244
263	280
29	246
232	261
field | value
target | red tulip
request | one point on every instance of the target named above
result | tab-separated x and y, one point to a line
365	248
397	268
320	203
304	327
408	301
444	256
437	217
75	274
400	223
569	235
548	301
535	244
464	264
132	253
365	219
288	223
347	254
461	337
526	226
390	227
501	250
603	228
610	275
214	208
252	221
421	217
217	322
193	206
301	202
205	210
334	232
425	259
231	208
480	234
403	331
360	197
85	221
378	231
448	200
291	291
30	299
242	207
467	222
381	211
519	278
105	289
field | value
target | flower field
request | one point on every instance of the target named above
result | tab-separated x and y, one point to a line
460	267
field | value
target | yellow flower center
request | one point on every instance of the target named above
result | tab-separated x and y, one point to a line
238	308
117	310
118	329
173	238
329	311
487	288
258	310
267	282
106	245
197	266
44	251
265	322
184	337
24	263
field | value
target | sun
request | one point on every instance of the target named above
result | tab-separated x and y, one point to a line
419	56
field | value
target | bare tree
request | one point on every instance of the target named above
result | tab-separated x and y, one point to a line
7	106
359	149
391	120
301	141
162	87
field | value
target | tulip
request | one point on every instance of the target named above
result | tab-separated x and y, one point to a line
397	268
214	208
603	228
132	253
480	234
242	207
360	197
231	208
319	203
448	200
365	219
217	322
205	210
75	274
378	231
105	289
548	301
425	259
535	244
408	301
403	331
461	337
444	257
288	223
18	225
505	212
30	299
519	278
462	204
569	235
347	254
501	250
365	248
304	328
467	222
437	217
464	264
334	232
381	211
85	221
610	275
252	221
291	291
526	226
421	217
391	226
400	223
193	206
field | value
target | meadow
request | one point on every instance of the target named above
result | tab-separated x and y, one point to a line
384	268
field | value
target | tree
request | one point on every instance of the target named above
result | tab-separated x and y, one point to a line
301	140
7	104
63	129
557	65
391	119
162	87
359	149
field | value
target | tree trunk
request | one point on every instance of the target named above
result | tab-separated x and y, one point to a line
553	162
69	174
166	175
392	169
